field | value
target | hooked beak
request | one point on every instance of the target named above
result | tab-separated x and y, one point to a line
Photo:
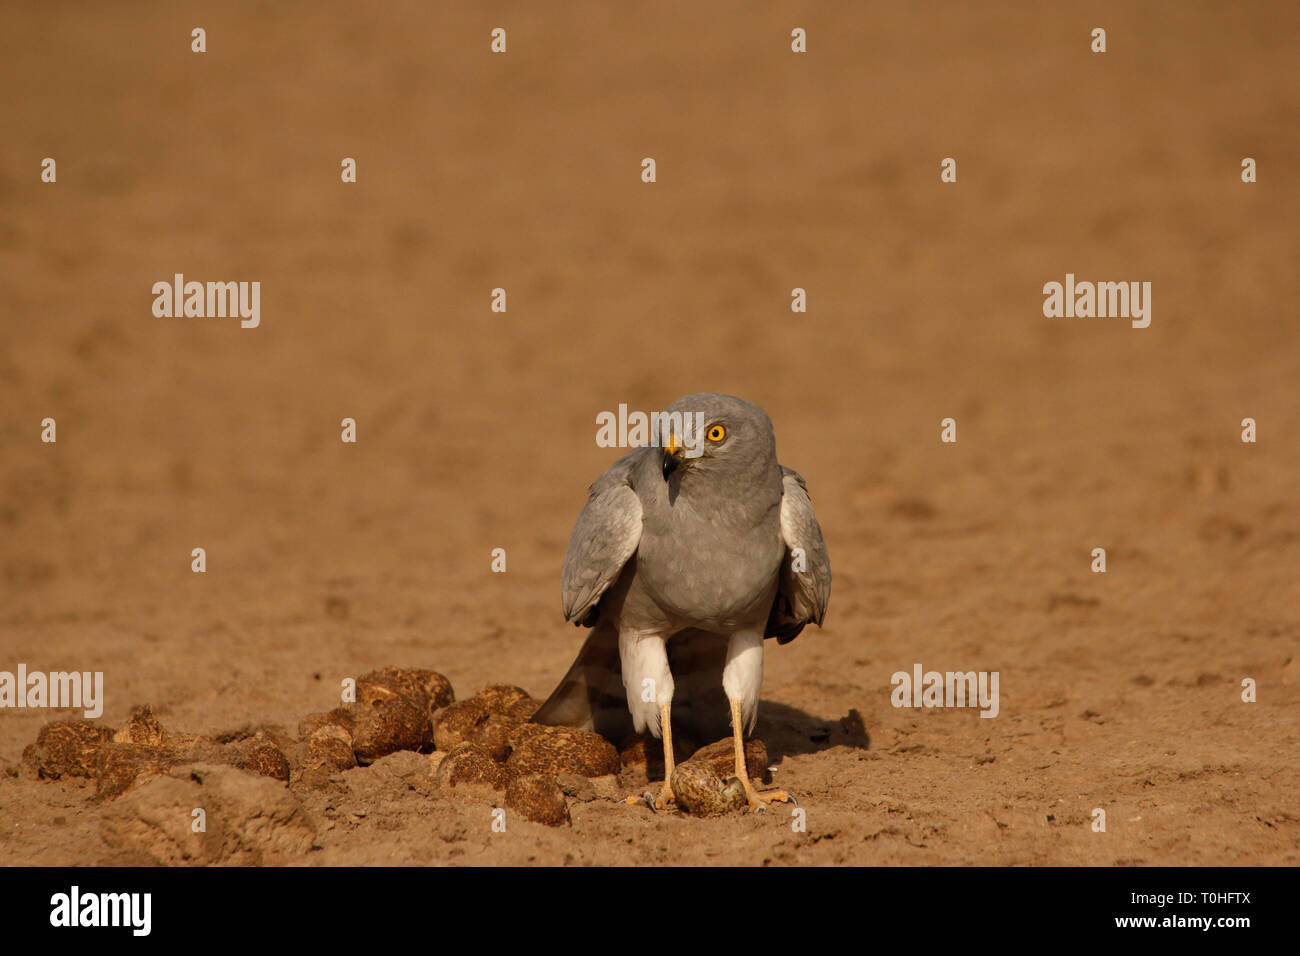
673	457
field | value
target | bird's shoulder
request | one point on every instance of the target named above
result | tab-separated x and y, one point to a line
604	537
790	475
623	472
805	586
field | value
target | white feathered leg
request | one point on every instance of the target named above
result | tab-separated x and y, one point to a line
649	686
742	679
742	675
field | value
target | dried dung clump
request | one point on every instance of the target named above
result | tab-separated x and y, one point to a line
556	750
483	747
538	798
66	748
468	764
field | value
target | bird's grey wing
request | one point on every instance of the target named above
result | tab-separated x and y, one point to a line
805	585
605	535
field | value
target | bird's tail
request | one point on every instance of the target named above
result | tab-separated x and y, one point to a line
592	697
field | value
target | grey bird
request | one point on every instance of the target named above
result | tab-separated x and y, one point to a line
689	552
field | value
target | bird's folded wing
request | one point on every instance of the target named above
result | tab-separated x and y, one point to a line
805	587
605	536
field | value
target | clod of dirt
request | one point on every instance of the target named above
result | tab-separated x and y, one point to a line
66	747
721	756
508	701
556	750
435	761
330	748
394	709
141	728
246	820
642	755
259	754
386	722
428	690
580	788
488	719
458	723
468	764
405	767
123	767
338	717
495	734
538	798
143	749
702	793
193	748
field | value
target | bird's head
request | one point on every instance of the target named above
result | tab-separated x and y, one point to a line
710	432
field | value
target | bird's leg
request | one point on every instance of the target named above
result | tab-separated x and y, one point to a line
757	801
666	797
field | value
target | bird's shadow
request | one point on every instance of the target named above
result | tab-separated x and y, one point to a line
788	731
784	730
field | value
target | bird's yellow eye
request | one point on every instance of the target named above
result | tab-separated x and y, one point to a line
717	433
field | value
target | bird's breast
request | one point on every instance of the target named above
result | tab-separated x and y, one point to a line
718	575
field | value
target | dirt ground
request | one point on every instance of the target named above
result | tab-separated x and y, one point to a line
476	430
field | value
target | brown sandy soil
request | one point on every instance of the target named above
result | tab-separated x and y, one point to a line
476	430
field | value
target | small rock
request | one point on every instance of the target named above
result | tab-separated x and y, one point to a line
538	798
580	788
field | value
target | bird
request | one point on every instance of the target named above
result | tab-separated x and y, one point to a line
690	551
